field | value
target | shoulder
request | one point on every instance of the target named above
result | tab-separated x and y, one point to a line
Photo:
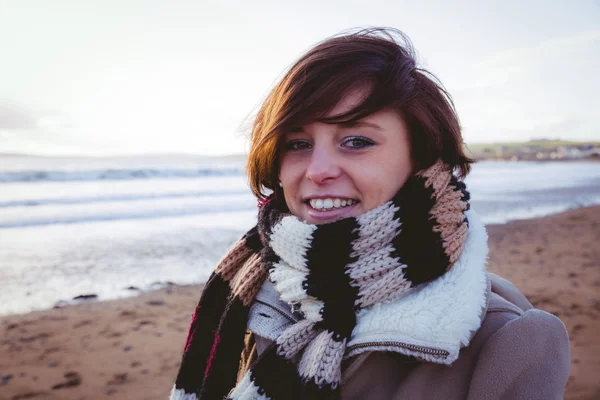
521	352
508	310
516	328
508	306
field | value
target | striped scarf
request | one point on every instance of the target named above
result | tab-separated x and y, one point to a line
329	272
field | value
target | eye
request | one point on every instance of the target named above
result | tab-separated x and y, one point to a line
357	142
298	144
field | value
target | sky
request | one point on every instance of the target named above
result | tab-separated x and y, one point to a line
116	77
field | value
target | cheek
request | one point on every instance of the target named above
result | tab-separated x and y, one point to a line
379	182
290	176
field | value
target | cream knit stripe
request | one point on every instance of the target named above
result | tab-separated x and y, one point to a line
373	245
246	390
377	228
295	338
180	394
373	265
231	262
311	308
288	282
386	288
378	274
321	360
290	239
240	387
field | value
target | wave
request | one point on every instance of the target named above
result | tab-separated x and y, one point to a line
114	174
114	198
132	215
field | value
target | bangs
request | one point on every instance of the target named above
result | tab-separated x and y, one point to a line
373	101
314	101
371	60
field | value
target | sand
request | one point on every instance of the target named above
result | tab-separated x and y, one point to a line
131	348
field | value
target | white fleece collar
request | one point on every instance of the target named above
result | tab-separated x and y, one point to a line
441	314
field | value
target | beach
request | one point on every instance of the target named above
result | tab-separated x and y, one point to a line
131	348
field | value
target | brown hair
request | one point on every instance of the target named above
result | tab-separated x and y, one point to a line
382	59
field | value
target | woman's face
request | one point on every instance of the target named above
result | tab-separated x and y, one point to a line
334	171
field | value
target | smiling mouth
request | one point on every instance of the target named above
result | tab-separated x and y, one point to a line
330	203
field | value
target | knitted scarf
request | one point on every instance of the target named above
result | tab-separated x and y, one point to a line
329	272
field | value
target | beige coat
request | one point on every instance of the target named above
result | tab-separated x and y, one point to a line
470	335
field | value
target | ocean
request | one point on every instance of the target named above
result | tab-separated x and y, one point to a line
114	227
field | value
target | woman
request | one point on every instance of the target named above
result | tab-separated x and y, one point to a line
365	275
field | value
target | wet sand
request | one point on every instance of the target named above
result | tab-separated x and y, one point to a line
131	348
555	262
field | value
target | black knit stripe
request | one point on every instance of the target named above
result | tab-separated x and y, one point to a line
252	239
222	365
328	281
268	216
275	376
266	219
311	390
269	257
201	332
462	188
418	245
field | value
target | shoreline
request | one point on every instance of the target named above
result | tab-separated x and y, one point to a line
92	296
131	347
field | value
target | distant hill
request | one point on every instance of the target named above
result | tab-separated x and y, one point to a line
535	150
542	143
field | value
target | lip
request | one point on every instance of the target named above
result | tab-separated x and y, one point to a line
331	215
326	196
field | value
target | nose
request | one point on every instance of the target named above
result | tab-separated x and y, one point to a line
323	166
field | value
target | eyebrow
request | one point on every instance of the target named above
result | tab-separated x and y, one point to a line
343	125
359	124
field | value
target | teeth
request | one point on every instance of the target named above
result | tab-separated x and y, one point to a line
328	204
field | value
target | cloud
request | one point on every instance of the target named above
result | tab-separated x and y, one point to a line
549	89
16	117
25	130
571	53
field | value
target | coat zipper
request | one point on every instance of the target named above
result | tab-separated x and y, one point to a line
288	316
420	349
